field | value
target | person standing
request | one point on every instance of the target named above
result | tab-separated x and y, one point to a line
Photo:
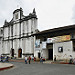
71	60
74	61
29	59
25	59
54	57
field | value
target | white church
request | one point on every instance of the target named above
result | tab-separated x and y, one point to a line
16	38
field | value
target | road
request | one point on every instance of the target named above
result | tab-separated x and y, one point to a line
20	68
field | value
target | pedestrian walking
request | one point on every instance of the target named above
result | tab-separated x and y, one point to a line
41	60
1	58
29	59
25	59
34	59
7	59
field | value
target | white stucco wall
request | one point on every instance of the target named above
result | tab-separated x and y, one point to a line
29	27
1	46
10	30
25	28
34	25
45	53
5	32
32	44
67	50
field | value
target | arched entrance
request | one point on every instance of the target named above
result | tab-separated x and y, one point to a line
19	52
12	52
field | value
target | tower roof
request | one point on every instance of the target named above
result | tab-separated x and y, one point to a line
17	10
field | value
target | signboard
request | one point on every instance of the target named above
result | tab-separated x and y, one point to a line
62	38
50	40
37	43
59	39
43	45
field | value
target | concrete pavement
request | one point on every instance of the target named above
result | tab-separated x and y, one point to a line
4	66
39	69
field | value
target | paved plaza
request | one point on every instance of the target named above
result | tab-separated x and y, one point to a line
20	68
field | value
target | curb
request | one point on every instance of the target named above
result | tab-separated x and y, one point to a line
4	68
60	63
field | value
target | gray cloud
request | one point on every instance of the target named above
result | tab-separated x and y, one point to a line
50	13
73	14
8	6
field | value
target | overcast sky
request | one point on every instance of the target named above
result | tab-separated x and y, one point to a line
50	13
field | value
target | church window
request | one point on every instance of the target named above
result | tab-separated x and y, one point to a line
1	31
60	49
16	16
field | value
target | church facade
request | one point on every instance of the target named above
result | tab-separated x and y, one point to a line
17	34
